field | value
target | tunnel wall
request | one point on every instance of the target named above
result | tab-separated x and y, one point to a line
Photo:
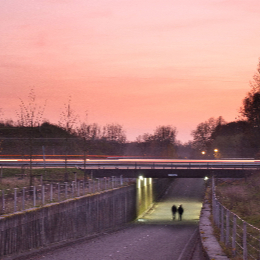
149	191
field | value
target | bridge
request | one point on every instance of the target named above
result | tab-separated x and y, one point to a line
147	168
172	168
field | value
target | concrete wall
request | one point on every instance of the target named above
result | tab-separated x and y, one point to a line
148	191
67	220
76	218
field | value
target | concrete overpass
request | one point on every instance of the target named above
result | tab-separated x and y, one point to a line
172	168
148	168
168	173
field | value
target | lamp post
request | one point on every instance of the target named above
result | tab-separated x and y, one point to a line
216	154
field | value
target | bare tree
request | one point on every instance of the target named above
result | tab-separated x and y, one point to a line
30	116
114	132
88	133
67	121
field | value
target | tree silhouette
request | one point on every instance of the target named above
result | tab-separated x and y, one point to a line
202	135
161	143
251	103
30	116
67	121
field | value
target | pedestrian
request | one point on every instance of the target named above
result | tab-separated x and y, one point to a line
174	210
180	211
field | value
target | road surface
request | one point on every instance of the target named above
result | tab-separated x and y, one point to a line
154	236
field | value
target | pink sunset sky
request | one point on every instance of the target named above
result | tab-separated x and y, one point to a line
137	63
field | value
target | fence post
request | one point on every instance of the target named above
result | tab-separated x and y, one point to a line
93	186
23	199
66	190
78	188
34	196
101	184
222	225
234	233
3	197
72	187
244	241
227	228
105	183
43	194
214	203
98	185
213	188
1	174
217	215
15	199
51	192
58	191
84	187
90	186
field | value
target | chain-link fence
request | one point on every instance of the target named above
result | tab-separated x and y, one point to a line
20	199
236	234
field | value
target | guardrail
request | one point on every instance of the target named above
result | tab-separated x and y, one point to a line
137	165
20	199
242	238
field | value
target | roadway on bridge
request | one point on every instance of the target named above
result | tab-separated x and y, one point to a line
154	236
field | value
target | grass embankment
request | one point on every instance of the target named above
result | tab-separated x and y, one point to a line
18	178
242	197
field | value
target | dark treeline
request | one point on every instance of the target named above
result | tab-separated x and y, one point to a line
214	138
87	139
238	139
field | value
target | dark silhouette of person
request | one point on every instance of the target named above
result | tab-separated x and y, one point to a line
174	210
180	211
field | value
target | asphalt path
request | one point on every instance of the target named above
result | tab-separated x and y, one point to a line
154	236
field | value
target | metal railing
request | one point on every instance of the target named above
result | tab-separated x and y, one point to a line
136	164
20	199
242	238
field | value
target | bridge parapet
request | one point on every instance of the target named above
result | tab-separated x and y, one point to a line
169	173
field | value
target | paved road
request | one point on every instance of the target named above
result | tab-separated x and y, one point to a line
155	236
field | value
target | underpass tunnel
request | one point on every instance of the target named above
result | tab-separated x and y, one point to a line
145	197
182	191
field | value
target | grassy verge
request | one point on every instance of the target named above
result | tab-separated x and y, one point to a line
241	196
18	178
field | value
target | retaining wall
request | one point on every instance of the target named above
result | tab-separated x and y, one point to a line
66	220
72	219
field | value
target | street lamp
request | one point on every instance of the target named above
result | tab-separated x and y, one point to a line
216	153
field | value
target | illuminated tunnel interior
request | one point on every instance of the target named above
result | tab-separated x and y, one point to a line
188	192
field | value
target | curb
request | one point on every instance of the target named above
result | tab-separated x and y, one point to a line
209	242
